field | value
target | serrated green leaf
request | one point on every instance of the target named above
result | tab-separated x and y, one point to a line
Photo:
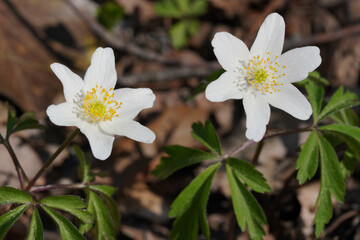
189	207
71	204
247	172
113	210
83	169
348	164
36	227
109	14
316	95
324	211
247	210
198	7
346	116
13	195
84	228
9	218
331	177
350	134
308	160
179	157
67	230
178	34
339	100
105	189
104	224
28	124
167	8
206	134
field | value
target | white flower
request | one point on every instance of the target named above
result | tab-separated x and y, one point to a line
263	75
96	108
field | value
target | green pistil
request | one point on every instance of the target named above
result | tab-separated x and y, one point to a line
98	109
260	75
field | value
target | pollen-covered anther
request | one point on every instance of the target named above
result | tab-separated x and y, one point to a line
263	73
99	104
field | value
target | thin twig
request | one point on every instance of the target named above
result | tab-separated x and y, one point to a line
259	147
36	189
53	157
338	221
19	170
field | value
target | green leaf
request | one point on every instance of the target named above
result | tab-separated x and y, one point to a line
71	204
189	207
36	227
339	100
247	210
84	168
247	172
198	7
348	164
316	95
350	134
105	189
315	77
206	134
104	224
331	177
113	210
167	8
109	14
13	195
11	120
192	26
88	226
178	34
179	157
308	160
212	77
346	116
324	211
9	218
67	230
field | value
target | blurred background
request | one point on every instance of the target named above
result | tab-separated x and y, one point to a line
169	50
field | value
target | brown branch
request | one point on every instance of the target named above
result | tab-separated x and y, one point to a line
338	221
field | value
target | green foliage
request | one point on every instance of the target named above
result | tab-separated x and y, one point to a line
316	95
247	210
212	77
348	164
71	204
179	157
110	14
189	207
25	121
84	168
340	100
9	218
308	160
67	230
13	195
186	12
332	182
206	134
36	227
105	189
247	173
346	116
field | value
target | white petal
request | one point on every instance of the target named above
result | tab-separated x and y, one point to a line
270	37
130	129
224	88
229	50
62	114
100	142
299	62
133	101
292	101
102	69
72	83
257	116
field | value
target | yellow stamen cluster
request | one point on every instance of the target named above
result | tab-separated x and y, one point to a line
99	106
262	73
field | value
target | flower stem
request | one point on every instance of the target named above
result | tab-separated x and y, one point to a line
52	187
276	134
20	171
52	158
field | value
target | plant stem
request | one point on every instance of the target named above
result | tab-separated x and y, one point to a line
53	157
259	147
20	171
51	187
276	134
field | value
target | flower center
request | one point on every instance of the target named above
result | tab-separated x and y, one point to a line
99	106
262	74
